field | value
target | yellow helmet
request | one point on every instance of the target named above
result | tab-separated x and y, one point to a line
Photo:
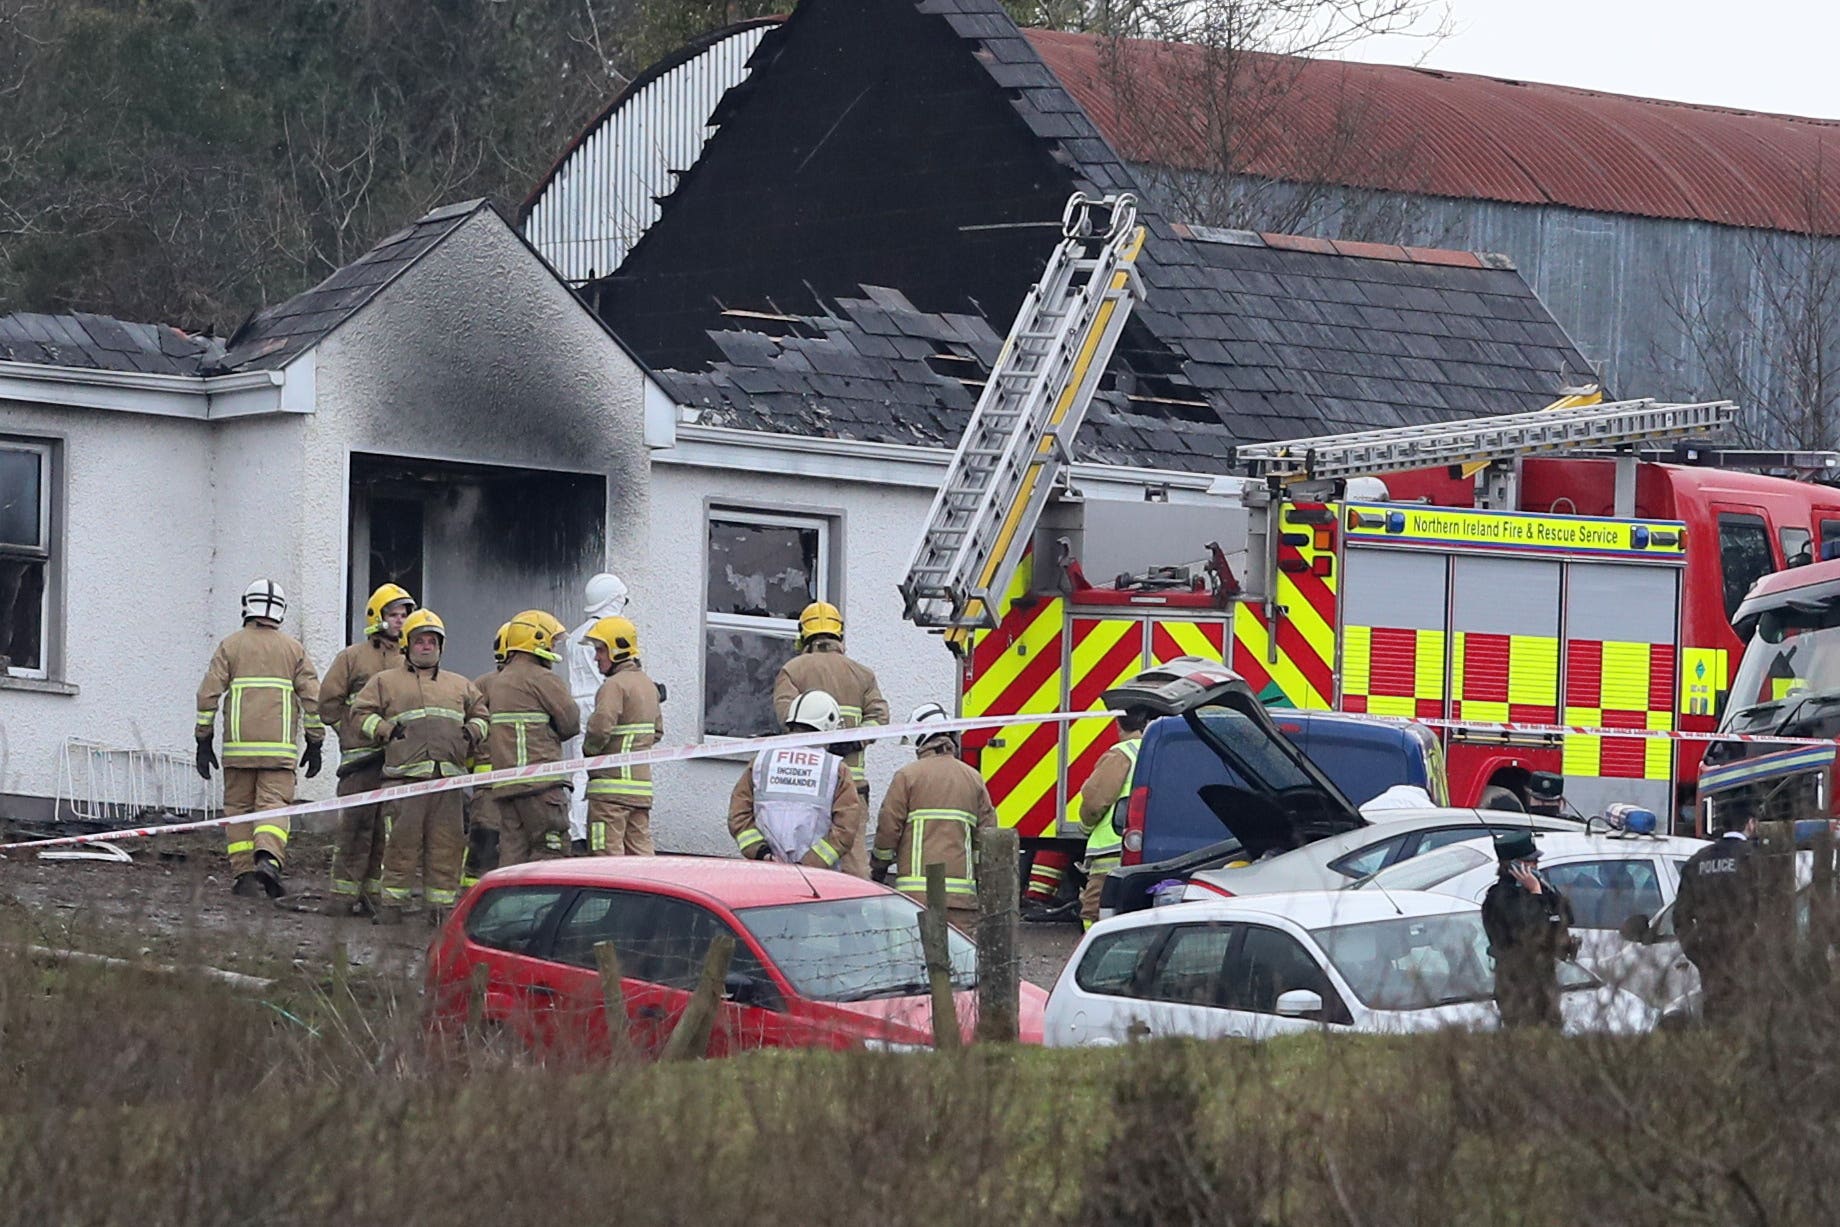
381	600
619	635
820	618
498	643
535	632
422	620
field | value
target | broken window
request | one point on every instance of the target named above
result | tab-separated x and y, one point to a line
25	556
762	570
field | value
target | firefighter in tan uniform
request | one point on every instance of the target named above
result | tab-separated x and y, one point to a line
798	804
533	713
428	723
626	718
1105	790
357	854
821	665
935	807
273	697
481	809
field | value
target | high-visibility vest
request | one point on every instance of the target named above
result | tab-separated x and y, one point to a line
794	790
1105	846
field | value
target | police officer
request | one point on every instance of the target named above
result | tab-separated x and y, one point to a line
1528	923
1716	915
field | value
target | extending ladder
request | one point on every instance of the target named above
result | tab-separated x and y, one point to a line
1021	432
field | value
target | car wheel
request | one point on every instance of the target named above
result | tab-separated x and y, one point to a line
1497	797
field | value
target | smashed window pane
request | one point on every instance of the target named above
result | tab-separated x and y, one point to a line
738	671
22	610
762	570
21	493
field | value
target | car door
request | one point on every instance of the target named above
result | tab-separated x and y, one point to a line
1604	892
662	943
1265	964
507	931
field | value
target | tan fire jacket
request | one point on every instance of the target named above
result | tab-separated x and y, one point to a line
848	816
1106	784
345	677
627	717
533	713
273	696
442	715
482	757
823	666
934	808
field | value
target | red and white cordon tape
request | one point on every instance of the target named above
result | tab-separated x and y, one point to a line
567	767
1585	730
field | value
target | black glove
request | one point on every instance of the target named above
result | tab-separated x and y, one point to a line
312	757
207	760
878	871
398	732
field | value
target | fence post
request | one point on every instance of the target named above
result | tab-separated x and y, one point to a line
690	1038
938	955
999	904
613	998
478	978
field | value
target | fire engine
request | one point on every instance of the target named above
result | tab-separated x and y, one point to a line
1457	572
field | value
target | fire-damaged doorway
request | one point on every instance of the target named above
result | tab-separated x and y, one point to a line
475	543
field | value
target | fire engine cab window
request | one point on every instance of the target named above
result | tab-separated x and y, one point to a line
1744	556
1830	539
1797	546
762	569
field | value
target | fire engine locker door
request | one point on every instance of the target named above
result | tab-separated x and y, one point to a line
1102	652
1393	647
1621	627
1504	649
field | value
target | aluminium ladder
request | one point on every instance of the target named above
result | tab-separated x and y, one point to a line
1616	424
1021	433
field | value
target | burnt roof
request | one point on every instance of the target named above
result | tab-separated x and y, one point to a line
275	336
102	343
848	251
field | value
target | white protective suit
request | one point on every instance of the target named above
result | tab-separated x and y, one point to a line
606	598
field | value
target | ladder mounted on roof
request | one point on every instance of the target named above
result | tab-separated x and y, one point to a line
1020	437
1478	441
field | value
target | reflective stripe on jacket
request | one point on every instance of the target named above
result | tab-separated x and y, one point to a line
441	713
270	697
626	718
1108	787
533	713
823	666
934	808
345	677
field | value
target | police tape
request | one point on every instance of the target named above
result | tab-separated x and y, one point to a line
558	770
1519	729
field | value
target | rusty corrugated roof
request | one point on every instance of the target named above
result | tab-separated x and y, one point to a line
1457	135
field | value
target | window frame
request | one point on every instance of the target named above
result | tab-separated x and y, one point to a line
49	477
826	573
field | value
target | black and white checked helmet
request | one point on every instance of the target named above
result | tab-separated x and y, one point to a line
265	599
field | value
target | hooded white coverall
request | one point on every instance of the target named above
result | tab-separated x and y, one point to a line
584	683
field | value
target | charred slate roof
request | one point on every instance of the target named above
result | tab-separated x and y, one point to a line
275	336
783	292
102	343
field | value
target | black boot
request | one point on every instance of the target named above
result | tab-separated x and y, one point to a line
248	886
268	873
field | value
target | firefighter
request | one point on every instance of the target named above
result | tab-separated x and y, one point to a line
1716	914
274	698
428	724
1529	927
821	665
626	718
935	807
799	805
604	596
481	812
357	855
1101	802
533	715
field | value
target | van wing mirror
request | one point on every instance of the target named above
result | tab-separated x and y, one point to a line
1299	1003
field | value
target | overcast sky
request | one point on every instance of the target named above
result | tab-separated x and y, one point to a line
1759	55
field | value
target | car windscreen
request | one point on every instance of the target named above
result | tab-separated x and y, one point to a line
854	949
1424	872
1421	962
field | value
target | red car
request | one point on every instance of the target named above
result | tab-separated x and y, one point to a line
822	960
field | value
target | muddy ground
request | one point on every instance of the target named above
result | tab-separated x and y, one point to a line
173	902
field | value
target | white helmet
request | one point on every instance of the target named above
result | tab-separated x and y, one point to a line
928	713
605	596
816	710
264	599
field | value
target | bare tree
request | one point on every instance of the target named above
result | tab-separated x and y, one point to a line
1206	98
1768	334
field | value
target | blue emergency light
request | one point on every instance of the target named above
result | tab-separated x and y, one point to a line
1395	521
1638	537
1631	819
